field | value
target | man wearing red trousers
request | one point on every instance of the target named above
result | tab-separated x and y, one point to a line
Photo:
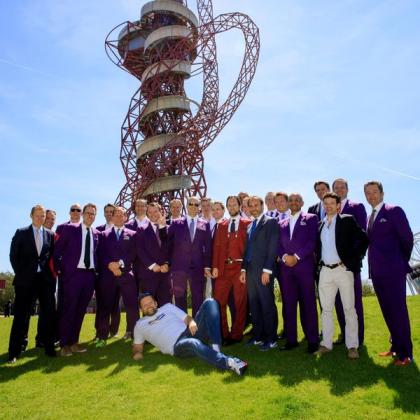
228	251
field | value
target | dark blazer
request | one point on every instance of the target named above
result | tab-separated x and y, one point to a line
263	244
351	242
24	256
315	209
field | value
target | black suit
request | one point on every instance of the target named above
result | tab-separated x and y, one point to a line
351	242
31	284
261	253
315	209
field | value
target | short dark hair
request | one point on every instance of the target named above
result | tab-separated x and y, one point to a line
145	295
281	194
234	197
219	203
321	182
37	207
89	205
109	205
342	180
51	211
377	183
257	198
332	195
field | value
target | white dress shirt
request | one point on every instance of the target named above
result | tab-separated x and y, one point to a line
329	252
41	239
292	222
189	218
81	263
141	222
237	220
342	204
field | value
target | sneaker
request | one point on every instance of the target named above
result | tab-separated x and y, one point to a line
254	342
100	344
12	361
353	353
268	345
238	366
322	350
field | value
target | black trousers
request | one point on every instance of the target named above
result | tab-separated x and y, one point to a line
43	290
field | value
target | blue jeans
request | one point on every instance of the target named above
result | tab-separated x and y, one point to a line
208	323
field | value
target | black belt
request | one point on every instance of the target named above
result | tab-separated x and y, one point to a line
331	266
233	260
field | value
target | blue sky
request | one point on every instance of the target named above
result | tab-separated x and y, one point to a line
336	94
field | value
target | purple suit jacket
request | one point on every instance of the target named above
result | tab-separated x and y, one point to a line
357	210
101	228
184	254
390	243
112	249
149	251
69	247
303	241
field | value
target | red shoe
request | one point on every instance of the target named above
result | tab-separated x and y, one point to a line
404	362
387	354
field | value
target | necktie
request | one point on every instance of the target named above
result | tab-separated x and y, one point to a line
192	230
321	212
248	255
157	234
87	250
118	234
371	220
232	226
38	241
283	216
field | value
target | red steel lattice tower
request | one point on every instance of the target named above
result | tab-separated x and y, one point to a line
165	132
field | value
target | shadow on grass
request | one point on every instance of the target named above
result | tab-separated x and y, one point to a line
343	375
291	368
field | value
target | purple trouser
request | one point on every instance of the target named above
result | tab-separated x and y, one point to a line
358	304
109	289
391	293
159	285
77	290
180	280
115	313
298	286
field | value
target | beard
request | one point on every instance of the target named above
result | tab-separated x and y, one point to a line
150	312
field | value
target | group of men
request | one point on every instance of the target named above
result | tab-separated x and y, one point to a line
235	260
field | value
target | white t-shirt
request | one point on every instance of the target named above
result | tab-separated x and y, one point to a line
162	329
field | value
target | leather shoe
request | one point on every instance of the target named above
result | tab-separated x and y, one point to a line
77	348
353	353
388	353
50	353
254	342
405	362
65	351
230	341
322	350
288	346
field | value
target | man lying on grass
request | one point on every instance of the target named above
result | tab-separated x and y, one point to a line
174	332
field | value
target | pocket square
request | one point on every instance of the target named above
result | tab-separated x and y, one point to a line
126	238
383	220
303	223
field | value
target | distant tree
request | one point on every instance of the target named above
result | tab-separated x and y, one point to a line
367	290
9	291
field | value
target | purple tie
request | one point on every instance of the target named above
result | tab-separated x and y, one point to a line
157	234
192	230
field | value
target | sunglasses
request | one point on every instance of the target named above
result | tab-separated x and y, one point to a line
78	210
194	204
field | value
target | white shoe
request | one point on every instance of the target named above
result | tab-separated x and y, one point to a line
238	366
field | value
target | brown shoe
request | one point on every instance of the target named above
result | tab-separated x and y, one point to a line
387	354
65	351
77	348
322	350
353	353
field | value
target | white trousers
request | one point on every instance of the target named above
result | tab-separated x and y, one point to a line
330	281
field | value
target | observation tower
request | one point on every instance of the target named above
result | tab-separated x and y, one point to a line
165	131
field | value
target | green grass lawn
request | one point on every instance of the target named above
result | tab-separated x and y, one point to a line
106	383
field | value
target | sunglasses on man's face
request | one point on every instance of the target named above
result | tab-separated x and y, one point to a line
194	204
78	210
